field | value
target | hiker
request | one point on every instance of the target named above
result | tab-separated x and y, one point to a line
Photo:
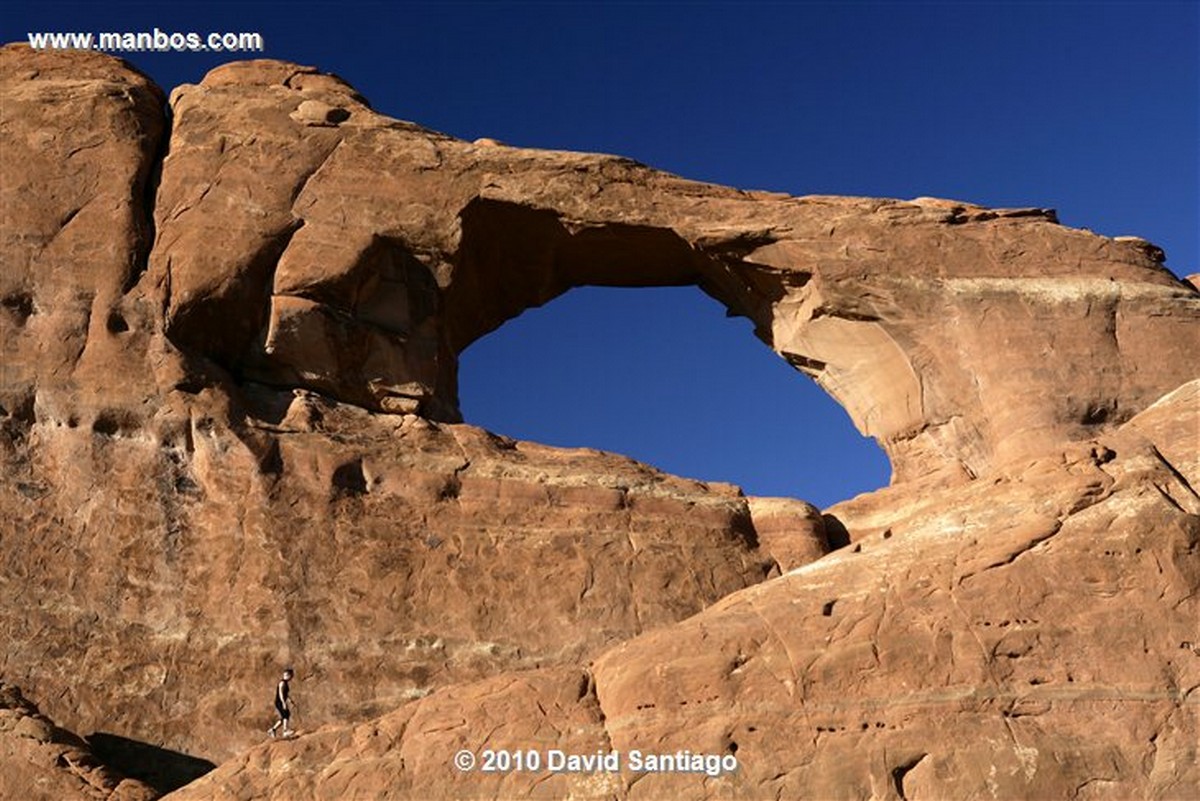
283	705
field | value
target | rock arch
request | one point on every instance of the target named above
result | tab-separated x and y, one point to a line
330	251
896	308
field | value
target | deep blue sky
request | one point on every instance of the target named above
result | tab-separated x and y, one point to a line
1091	108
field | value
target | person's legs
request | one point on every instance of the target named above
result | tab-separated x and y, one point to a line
282	713
287	723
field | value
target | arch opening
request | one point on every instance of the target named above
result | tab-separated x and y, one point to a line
661	374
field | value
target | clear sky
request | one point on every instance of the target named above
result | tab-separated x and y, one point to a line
1090	108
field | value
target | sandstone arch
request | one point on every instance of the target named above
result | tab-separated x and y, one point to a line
168	519
894	307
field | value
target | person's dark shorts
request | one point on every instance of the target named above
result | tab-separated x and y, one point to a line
284	714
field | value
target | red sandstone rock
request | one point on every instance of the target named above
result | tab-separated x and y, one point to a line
1031	637
38	760
241	449
77	142
792	532
176	525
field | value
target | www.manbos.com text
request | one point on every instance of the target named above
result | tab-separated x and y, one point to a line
155	41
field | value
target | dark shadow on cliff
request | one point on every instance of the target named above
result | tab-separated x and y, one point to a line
161	768
836	534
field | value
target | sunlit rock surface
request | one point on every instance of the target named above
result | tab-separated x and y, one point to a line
230	439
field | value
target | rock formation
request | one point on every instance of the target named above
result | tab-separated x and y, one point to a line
40	760
1030	637
356	255
230	439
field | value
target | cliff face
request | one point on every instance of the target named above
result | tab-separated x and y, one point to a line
231	439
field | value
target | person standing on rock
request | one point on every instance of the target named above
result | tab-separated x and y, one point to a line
283	704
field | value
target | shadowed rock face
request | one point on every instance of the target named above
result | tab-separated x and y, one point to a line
238	445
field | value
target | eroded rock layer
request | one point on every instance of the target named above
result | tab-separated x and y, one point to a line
230	439
42	762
